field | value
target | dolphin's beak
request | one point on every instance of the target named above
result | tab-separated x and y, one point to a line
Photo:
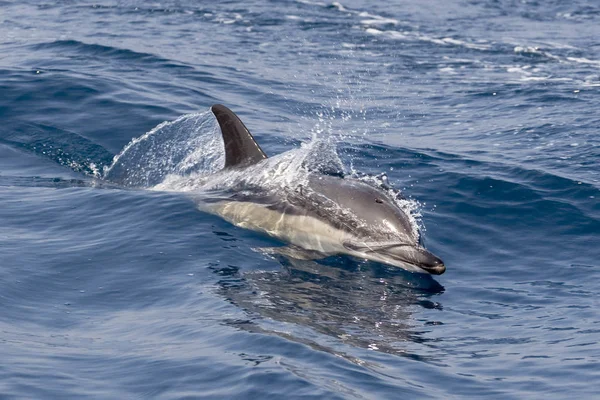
416	256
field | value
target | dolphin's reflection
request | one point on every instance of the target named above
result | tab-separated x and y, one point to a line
363	304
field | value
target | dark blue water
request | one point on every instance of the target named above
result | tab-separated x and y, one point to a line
485	112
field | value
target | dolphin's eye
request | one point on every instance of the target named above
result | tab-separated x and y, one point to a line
379	201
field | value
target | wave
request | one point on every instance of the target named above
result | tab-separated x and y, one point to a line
503	184
374	24
61	146
76	47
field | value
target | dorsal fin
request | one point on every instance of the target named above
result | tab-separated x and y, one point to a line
240	147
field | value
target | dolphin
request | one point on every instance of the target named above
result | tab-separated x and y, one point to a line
319	216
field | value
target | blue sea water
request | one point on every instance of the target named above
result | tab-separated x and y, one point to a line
483	112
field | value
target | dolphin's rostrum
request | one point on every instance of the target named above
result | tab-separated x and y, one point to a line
324	215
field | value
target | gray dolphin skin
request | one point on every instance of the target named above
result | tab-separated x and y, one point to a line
323	215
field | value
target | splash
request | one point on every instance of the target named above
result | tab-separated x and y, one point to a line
280	172
187	154
190	144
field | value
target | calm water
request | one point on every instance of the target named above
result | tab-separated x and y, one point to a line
485	112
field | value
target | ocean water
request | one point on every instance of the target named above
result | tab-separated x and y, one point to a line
484	113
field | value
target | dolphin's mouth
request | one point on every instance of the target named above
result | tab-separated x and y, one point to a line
417	256
402	255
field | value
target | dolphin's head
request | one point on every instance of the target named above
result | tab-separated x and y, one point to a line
410	257
379	230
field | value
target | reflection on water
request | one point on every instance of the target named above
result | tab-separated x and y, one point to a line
358	303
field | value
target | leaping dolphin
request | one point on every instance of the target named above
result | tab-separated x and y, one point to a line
323	215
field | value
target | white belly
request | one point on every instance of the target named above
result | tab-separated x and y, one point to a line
304	231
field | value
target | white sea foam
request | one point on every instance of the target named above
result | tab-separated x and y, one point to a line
582	60
312	3
463	43
543	53
535	51
352	45
447	70
373	31
339	6
417	36
373	19
379	21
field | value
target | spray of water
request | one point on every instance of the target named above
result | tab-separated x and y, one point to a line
190	144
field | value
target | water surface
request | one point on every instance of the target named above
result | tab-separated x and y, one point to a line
485	112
